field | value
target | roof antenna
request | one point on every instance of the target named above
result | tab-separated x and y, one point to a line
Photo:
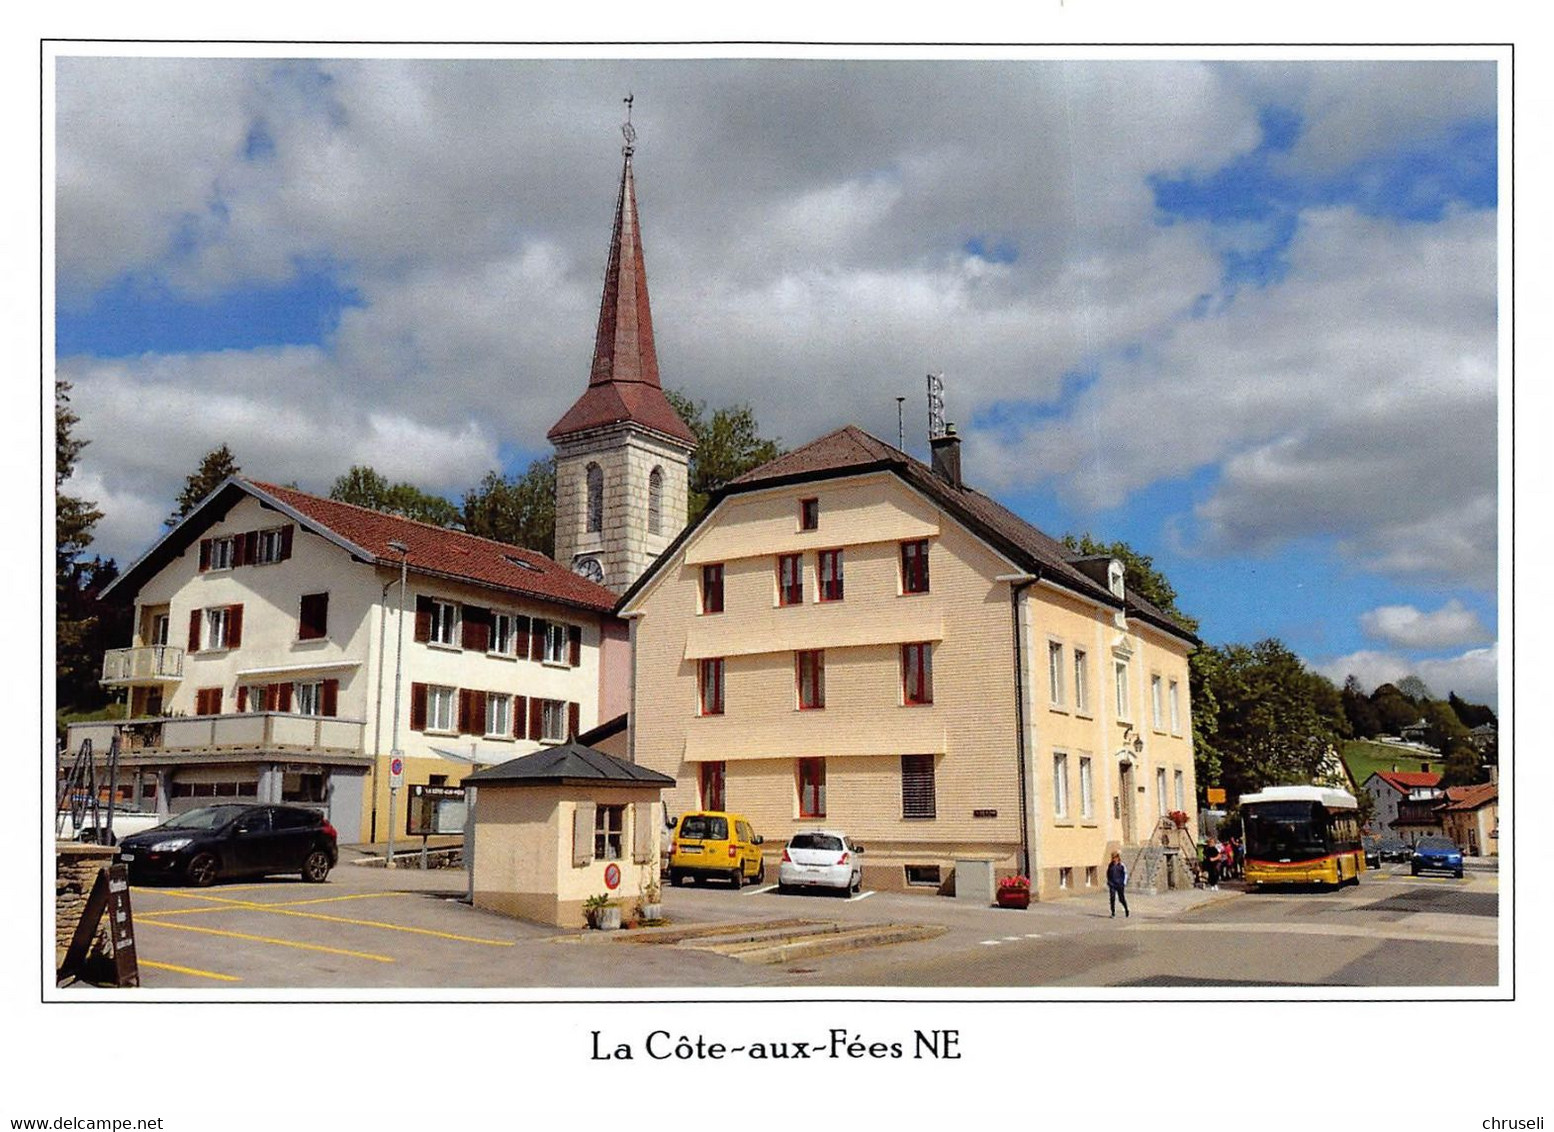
935	405
628	131
900	425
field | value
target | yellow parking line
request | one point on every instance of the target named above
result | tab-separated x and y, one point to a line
333	899
190	971
389	927
158	913
268	939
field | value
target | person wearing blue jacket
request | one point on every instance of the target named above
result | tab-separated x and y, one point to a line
1116	882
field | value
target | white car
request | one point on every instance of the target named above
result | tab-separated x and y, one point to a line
126	820
821	858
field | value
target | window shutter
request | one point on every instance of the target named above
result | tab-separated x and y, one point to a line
520	717
466	711
331	698
245	548
423	618
520	637
194	630
574	645
537	641
418	707
583	834
476	631
204	555
313	621
242	697
573	712
536	718
286	533
283	697
644	833
234	626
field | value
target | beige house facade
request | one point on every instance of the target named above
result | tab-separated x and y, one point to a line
853	639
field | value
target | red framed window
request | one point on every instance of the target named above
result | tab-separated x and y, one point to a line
810	669
712	778
914	566
712	588
812	788
809	514
917	673
830	569
710	679
790	579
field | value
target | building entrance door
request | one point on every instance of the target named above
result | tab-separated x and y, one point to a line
1125	791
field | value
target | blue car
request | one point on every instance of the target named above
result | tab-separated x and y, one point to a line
1436	854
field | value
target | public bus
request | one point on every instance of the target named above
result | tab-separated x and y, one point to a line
1301	835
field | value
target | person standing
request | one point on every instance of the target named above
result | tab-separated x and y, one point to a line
1116	883
1211	862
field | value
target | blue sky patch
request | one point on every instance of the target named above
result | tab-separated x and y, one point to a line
994	251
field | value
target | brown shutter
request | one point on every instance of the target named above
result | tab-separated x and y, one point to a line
466	711
234	626
520	717
536	718
215	701
521	637
423	618
194	630
574	645
573	713
245	548
242	697
204	554
418	707
286	532
537	640
283	697
331	697
476	630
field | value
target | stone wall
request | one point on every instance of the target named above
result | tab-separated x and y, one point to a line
75	871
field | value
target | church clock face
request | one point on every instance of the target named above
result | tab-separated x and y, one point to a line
588	566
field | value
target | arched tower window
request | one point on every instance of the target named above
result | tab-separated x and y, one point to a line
655	501
595	476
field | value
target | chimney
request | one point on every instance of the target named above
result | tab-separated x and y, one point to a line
946	456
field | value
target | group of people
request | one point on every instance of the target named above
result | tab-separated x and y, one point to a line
1221	860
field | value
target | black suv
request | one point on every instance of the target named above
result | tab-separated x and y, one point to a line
212	842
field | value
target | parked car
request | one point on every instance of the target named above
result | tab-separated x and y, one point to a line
1436	854
711	843
821	858
1372	852
126	820
1396	849
204	845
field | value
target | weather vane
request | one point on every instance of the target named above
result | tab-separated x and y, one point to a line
628	131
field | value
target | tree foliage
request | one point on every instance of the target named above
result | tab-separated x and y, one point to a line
515	509
215	466
1364	719
365	487
728	444
1471	715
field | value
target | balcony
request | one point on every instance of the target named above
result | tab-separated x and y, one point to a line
246	734
142	667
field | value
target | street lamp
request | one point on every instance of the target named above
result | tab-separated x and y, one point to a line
395	753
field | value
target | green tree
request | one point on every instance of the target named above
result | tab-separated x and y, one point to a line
516	509
215	466
1141	575
365	487
1364	719
728	444
1471	715
1395	709
1442	727
1415	689
1464	765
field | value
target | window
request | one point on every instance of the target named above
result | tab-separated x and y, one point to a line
1121	672
710	686
830	575
917	787
655	501
711	780
917	673
1174	697
790	579
504	634
712	588
1081	681
499	716
313	617
309	698
555	643
1179	781
220	554
445	623
1066	877
914	567
439	708
1086	787
919	875
1091	875
159	629
1156	707
1060	785
223	627
1160	790
595	486
269	546
1055	672
809	514
255	697
553	721
207	701
811	675
812	788
609	821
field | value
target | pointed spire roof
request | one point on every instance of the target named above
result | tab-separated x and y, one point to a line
623	384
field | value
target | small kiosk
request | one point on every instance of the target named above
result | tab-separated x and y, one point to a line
560	826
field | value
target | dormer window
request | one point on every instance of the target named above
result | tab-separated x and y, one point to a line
1114	578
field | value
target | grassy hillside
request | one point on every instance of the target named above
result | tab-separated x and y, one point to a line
1364	758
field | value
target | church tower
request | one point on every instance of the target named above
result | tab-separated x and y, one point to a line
622	452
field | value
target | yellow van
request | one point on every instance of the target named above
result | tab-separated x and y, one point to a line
710	843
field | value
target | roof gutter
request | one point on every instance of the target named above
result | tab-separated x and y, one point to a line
1018	584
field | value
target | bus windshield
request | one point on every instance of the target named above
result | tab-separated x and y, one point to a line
1285	831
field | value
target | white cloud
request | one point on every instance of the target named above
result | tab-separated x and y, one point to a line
1472	675
1406	626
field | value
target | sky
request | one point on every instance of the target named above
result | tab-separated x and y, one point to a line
1243	315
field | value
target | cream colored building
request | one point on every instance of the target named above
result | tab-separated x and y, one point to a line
850	638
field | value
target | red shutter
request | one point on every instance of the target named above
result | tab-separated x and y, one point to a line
242	697
331	697
537	641
194	630
466	712
520	717
574	714
284	697
418	707
476	629
245	548
204	554
423	618
286	541
574	645
521	637
234	626
536	718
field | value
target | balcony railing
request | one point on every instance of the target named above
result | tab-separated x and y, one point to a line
149	664
247	731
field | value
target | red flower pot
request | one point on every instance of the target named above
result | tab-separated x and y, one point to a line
1014	898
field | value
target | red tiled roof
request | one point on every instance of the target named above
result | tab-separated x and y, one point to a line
1471	797
1405	780
437	551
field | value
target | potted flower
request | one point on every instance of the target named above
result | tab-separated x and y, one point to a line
601	914
1014	892
649	906
1178	819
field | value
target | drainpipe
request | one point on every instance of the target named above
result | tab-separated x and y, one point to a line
1018	583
